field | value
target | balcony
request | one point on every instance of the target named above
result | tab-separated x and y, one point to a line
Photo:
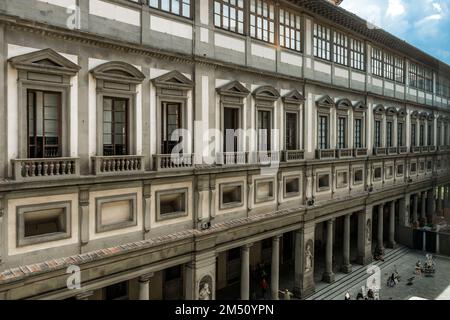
402	150
415	149
266	157
425	149
432	148
360	152
231	158
162	162
293	155
108	165
392	150
325	154
46	168
380	151
344	153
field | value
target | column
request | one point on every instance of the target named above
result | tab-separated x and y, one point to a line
423	211
437	244
415	206
328	275
84	295
274	278
346	267
380	227
392	226
144	287
431	202
439	201
245	272
424	240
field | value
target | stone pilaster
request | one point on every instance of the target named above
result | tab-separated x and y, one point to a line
201	277
84	215
380	240
147	207
391	243
365	236
304	261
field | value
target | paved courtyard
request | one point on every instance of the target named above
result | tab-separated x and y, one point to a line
436	287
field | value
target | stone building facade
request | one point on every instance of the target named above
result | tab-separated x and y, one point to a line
347	145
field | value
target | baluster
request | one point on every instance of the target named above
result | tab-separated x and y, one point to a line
39	169
128	165
27	170
33	169
45	173
69	167
63	168
57	167
52	166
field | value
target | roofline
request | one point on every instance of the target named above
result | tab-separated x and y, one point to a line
376	34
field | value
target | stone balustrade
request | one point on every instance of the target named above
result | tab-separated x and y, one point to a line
107	165
37	169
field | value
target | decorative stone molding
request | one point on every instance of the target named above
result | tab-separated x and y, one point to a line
233	89
173	80
45	61
266	95
325	102
344	104
294	97
119	72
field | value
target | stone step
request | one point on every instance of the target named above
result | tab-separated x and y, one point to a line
358	275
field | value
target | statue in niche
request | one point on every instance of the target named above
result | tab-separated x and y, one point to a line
369	231
205	288
309	258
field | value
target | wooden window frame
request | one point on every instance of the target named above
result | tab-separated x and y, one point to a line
319	41
284	28
223	4
181	3
254	14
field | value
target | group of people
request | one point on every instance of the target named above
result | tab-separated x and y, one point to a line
427	268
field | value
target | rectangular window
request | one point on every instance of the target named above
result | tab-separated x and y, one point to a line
264	130
291	131
177	7
324	181
358	177
290	30
429	135
342	136
400	134
323	132
413	135
231	195
357	57
117	212
171	122
420	77
322	42
389	132
377	173
400	169
438	135
422	135
229	15
230	127
292	186
43	223
428	80
399	70
377	62
377	134
413	75
340	48
171	204
262	20
342	179
115	127
358	134
44	124
389	66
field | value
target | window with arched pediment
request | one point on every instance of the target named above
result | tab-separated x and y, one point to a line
117	83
